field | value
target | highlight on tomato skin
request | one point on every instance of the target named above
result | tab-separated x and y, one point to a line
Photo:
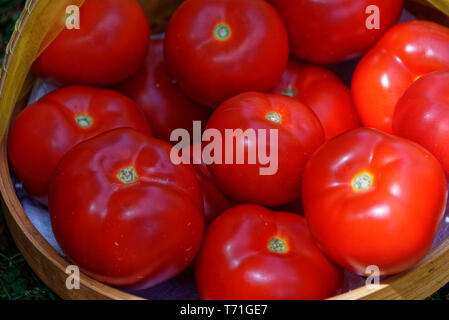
123	213
371	198
252	253
217	49
46	130
322	91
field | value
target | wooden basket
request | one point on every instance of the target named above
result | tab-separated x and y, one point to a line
32	33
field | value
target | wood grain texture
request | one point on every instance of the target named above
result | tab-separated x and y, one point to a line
418	283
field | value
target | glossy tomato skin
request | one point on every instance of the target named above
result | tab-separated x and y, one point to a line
165	105
405	53
422	115
371	198
133	234
211	69
299	135
44	131
236	261
322	91
109	46
332	31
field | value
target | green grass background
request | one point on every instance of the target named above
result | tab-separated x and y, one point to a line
17	280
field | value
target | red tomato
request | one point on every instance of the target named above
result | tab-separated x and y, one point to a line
371	198
125	214
44	131
215	201
407	52
109	46
422	115
322	91
167	108
250	252
299	135
217	49
330	31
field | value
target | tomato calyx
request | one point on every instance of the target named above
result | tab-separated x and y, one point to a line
222	32
274	117
128	175
362	182
277	245
84	121
290	92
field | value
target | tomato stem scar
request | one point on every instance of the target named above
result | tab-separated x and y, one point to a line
128	175
362	182
84	121
222	32
277	245
291	92
274	117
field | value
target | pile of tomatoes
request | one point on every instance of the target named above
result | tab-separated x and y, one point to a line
98	151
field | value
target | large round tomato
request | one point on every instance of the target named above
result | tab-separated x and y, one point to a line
373	199
322	91
277	126
44	131
250	252
166	107
404	54
219	48
422	115
109	46
123	213
330	31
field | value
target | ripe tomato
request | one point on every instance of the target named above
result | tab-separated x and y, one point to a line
322	91
125	214
217	49
330	31
299	134
166	107
215	201
109	46
44	131
371	198
405	53
422	115
250	252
